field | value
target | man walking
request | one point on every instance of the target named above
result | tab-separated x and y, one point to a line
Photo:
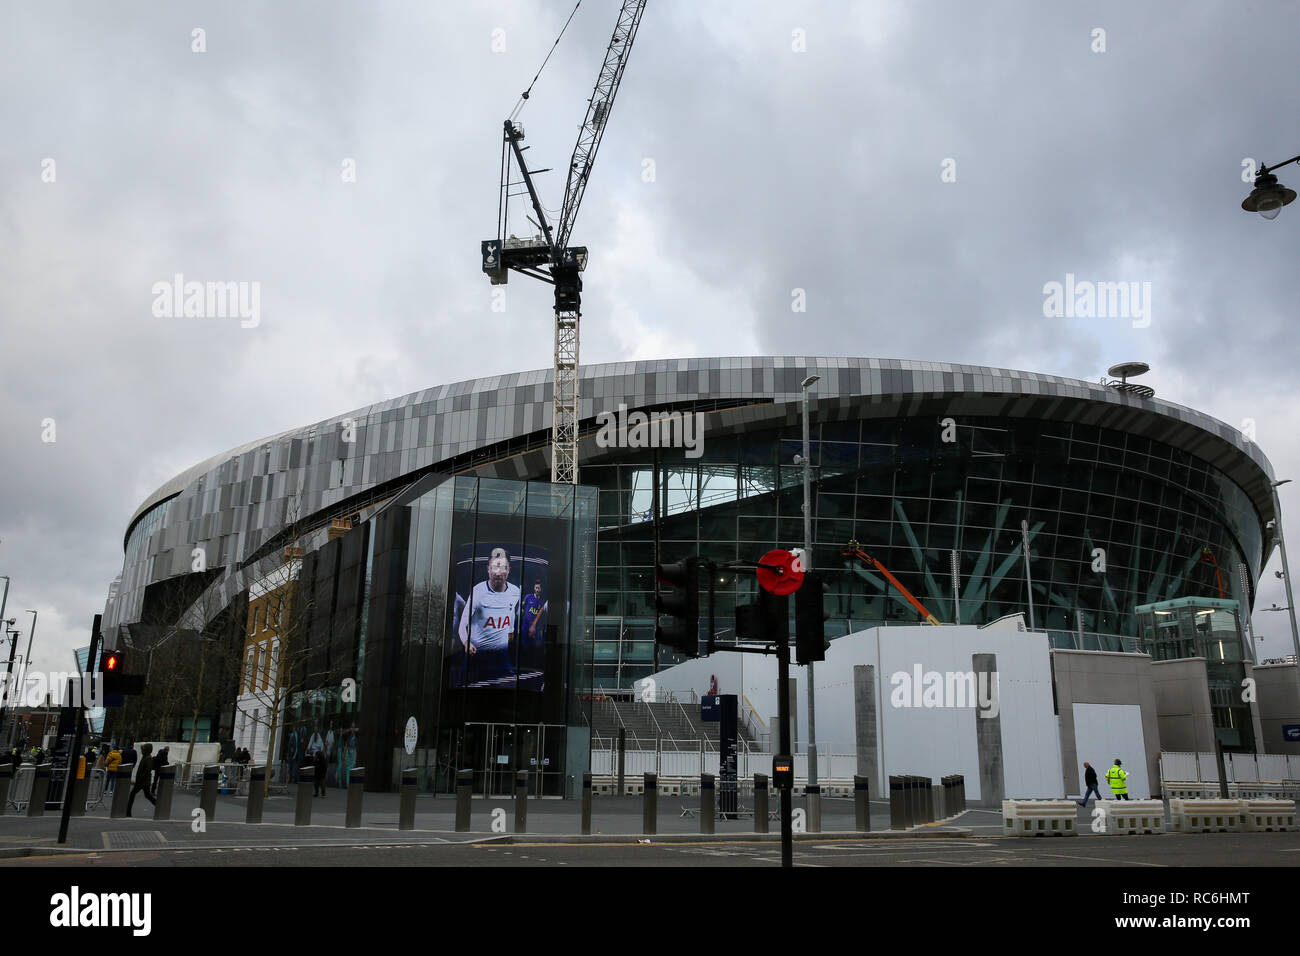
1117	780
143	777
157	770
320	764
1089	781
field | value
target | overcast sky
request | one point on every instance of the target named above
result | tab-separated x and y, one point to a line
755	149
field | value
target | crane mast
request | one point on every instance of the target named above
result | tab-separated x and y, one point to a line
549	257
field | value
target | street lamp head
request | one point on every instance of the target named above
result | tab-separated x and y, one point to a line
1268	197
817	378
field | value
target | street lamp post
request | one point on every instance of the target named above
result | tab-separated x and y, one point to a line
1269	196
1286	572
808	566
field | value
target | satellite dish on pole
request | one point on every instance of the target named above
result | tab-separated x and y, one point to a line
1127	370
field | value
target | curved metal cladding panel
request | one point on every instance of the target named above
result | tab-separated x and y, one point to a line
231	504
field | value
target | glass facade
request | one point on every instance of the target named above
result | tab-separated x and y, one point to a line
1208	628
1114	521
466	618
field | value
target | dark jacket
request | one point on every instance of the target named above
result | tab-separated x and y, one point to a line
1090	777
145	771
320	763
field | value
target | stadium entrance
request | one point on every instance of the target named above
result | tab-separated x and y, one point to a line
496	751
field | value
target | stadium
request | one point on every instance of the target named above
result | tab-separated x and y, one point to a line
388	515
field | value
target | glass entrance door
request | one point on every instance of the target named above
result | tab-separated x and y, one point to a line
496	752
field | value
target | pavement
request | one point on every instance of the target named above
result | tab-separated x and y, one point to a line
972	838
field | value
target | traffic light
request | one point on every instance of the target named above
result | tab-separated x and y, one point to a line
767	619
682	604
810	619
116	681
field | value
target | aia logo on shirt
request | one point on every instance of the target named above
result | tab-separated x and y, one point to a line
496	623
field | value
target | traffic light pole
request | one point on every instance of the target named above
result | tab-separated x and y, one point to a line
783	715
74	757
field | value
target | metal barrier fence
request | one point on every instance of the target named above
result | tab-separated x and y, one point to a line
668	763
1239	768
20	791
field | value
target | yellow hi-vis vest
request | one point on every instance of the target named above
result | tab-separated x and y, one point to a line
1117	779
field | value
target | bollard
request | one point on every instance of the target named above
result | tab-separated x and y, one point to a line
925	800
961	793
77	794
521	801
162	809
760	803
406	811
862	803
40	790
6	779
909	799
464	784
586	804
814	794
650	804
356	793
707	799
256	794
121	791
936	801
208	797
897	814
306	787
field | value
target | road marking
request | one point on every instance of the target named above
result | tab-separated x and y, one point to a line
1099	859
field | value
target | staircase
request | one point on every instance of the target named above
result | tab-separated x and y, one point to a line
668	724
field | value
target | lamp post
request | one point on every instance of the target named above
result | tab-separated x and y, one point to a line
1269	196
806	384
1286	572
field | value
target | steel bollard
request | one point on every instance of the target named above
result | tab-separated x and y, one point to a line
162	809
898	807
6	779
464	784
862	803
77	793
406	810
356	793
909	799
760	803
708	800
923	807
208	797
121	791
521	801
306	788
40	790
936	801
650	804
586	804
961	793
813	792
256	794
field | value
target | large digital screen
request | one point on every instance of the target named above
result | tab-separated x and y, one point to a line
499	616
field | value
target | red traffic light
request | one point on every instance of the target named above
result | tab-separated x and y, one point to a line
110	663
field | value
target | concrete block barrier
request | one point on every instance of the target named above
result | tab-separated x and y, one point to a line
1263	815
1039	818
1206	816
1131	817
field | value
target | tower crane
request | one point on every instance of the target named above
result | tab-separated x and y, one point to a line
548	255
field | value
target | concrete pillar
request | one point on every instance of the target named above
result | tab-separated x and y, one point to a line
40	790
864	709
988	733
650	805
256	794
208	797
121	791
306	788
760	803
862	802
707	803
166	788
586	804
406	808
464	786
356	794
